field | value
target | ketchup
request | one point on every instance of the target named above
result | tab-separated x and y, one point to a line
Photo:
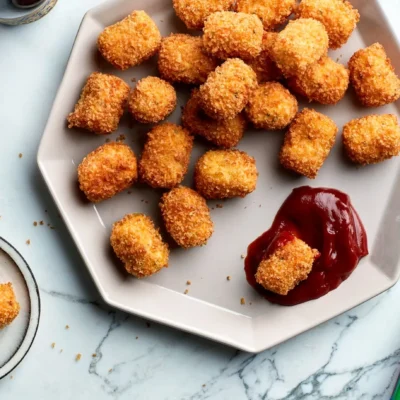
326	220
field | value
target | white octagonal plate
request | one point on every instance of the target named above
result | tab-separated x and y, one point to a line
212	308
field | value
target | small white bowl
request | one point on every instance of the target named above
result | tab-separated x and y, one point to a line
12	15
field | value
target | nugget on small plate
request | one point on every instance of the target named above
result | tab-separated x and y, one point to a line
338	16
223	133
372	139
302	43
228	34
271	106
223	174
271	12
138	244
227	89
308	142
152	100
186	217
193	13
325	81
101	104
166	155
9	306
286	267
182	58
131	41
373	77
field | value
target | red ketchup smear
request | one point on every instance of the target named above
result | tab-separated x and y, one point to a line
326	220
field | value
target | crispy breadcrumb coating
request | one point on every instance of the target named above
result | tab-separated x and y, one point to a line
131	41
372	139
302	43
271	106
193	13
227	89
182	58
271	12
186	217
138	244
308	142
166	155
223	174
338	16
263	65
152	100
373	77
106	171
101	104
325	81
222	133
228	34
286	267
9	306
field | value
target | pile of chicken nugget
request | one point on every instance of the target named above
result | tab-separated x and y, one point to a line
246	68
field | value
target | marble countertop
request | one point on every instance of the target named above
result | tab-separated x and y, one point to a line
354	356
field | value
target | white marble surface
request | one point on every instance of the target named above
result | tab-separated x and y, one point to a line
355	356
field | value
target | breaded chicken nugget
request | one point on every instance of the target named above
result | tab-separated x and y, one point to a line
338	16
227	89
271	12
223	133
131	41
271	106
101	104
223	174
372	139
372	76
325	81
9	306
263	65
194	12
138	244
152	100
182	58
106	171
308	142
166	155
186	217
286	267
302	43
228	34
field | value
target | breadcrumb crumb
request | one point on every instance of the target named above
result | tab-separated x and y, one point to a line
188	283
242	301
228	278
78	357
186	291
28	242
20	155
53	345
34	223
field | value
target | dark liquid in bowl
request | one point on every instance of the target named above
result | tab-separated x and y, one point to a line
27	3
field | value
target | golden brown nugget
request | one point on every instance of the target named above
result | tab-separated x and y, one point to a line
302	43
221	174
9	306
193	13
338	16
373	77
182	58
271	12
152	100
286	267
228	34
166	155
186	217
325	81
372	139
138	244
223	133
131	41
227	89
106	171
271	106
263	65
308	142
101	104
